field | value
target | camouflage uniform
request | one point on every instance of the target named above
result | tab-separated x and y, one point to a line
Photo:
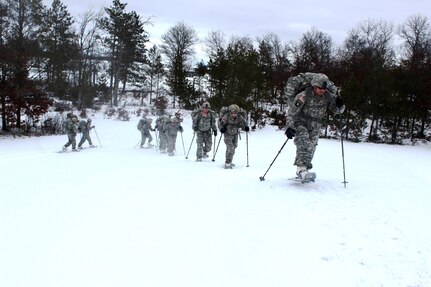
204	125
144	126
229	125
172	127
163	142
85	130
306	118
71	129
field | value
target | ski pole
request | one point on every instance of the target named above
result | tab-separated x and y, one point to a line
157	139
246	142
187	156
217	147
342	149
182	140
262	178
215	137
97	137
137	143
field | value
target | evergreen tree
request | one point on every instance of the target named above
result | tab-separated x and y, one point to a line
178	47
126	42
59	47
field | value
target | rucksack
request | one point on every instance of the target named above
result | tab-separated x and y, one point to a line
81	126
302	81
225	110
195	112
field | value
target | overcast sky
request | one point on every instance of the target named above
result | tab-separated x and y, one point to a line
287	19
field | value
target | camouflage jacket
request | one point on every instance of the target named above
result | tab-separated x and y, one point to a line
144	125
311	112
172	126
232	124
160	123
70	127
204	123
84	126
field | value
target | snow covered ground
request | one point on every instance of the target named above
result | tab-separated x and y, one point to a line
121	216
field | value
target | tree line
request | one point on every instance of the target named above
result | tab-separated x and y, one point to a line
383	70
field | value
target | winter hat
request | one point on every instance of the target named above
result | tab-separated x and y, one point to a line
234	108
320	80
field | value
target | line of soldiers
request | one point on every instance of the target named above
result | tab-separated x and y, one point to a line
167	128
72	126
204	127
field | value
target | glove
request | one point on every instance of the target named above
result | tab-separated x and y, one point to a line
247	129
290	133
195	129
223	130
339	102
93	127
181	129
215	133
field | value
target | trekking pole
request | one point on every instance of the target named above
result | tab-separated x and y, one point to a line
215	137
182	139
137	143
187	156
342	150
97	137
217	147
157	140
246	142
262	178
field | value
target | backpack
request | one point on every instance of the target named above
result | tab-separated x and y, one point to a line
225	110
302	81
140	124
81	126
195	112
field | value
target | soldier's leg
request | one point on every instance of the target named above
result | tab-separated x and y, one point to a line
207	142
230	148
89	138
199	144
74	142
305	147
81	142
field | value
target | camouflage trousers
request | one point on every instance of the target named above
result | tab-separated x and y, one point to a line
204	142
72	140
144	137
163	142
231	142
171	141
306	142
85	137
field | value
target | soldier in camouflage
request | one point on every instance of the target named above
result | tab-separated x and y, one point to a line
144	126
229	125
204	125
309	96
85	127
160	123
172	127
71	129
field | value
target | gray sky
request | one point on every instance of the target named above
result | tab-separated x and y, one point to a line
287	19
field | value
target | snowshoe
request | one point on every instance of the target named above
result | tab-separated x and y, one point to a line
305	177
228	165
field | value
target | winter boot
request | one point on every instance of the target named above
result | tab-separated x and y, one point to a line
304	175
228	165
205	155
